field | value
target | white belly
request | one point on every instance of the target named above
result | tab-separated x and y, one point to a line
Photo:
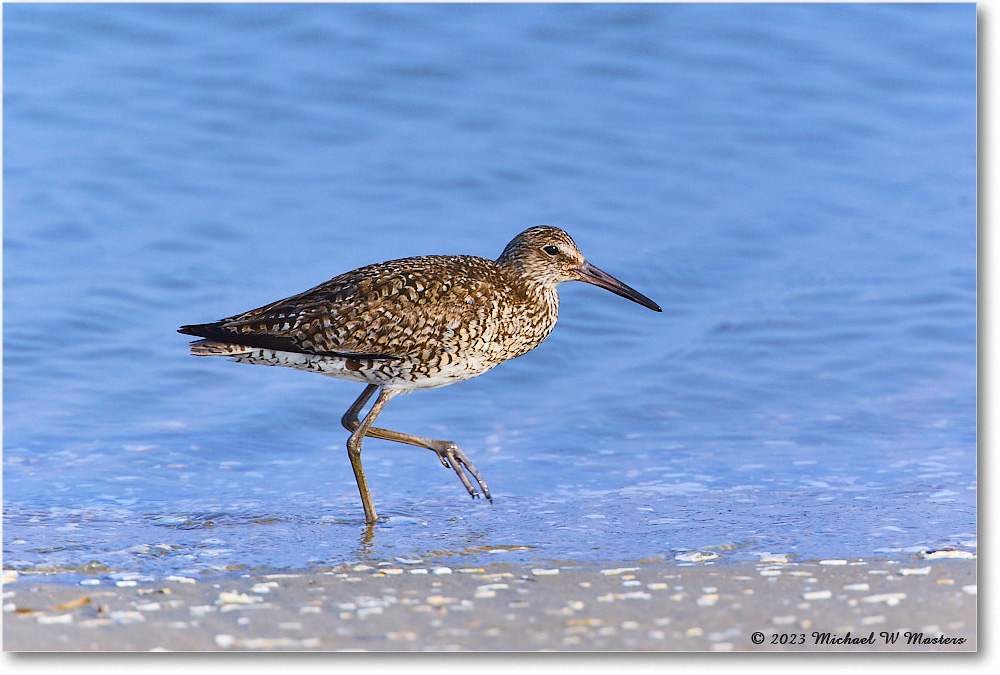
393	374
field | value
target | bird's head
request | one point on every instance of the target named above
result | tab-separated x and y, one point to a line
548	256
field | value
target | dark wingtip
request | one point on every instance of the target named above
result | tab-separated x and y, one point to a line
188	330
203	330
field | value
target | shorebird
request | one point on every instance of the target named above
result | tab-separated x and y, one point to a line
411	324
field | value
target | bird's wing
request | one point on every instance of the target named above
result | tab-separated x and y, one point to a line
389	310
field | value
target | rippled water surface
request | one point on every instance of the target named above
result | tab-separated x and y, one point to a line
794	185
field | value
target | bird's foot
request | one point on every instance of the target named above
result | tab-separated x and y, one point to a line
453	458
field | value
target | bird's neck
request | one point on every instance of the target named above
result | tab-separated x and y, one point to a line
540	299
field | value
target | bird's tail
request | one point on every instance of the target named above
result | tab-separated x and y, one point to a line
213	348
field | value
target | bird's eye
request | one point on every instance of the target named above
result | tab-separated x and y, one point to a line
551	250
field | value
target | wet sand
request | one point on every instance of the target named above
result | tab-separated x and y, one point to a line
835	605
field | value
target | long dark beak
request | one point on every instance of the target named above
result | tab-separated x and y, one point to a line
592	275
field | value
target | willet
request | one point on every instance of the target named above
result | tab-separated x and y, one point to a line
414	323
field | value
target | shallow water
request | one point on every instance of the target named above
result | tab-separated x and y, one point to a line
794	185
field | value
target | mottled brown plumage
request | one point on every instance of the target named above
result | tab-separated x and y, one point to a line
414	323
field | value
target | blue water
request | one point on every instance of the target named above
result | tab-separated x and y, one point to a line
793	184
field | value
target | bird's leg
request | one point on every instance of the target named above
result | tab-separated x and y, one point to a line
350	418
450	455
354	443
448	452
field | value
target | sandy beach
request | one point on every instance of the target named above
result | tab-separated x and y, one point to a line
706	605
